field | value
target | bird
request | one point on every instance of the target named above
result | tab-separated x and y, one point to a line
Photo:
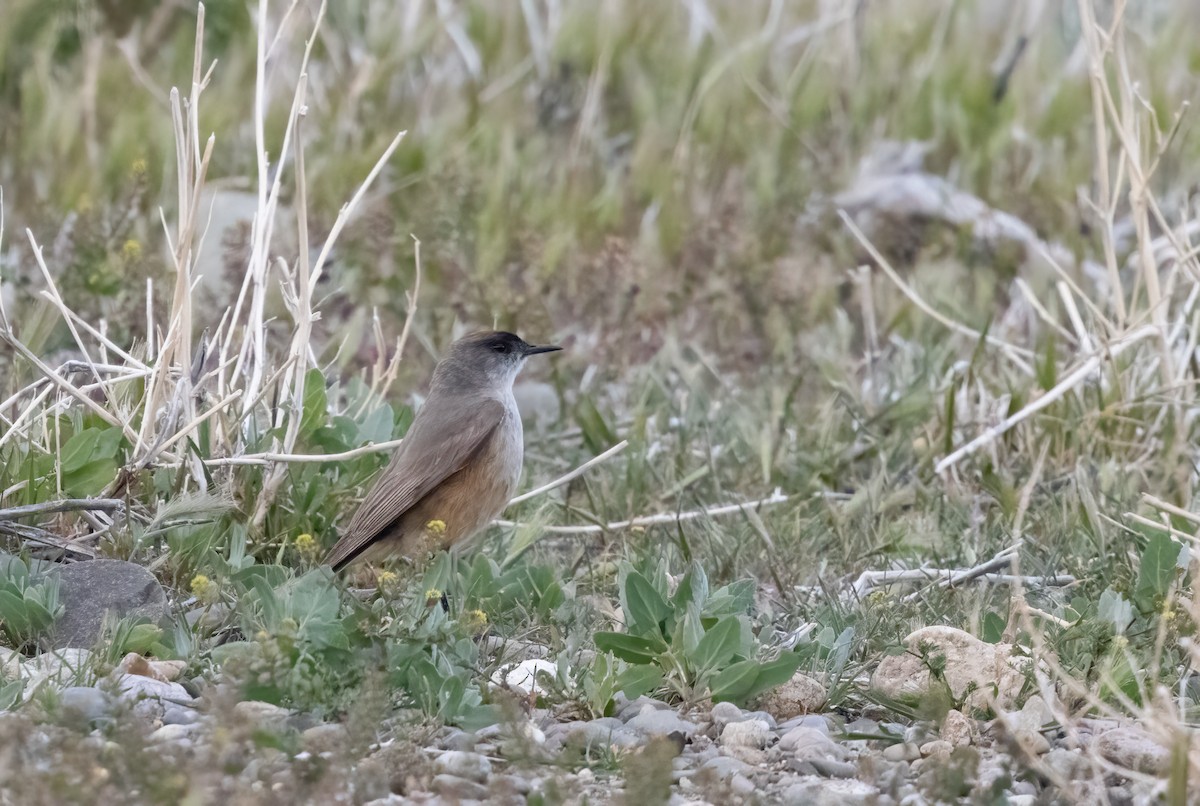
459	463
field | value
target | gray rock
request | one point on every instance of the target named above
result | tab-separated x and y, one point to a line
462	764
179	715
327	738
902	751
808	743
1068	764
725	712
651	721
627	710
1135	749
602	733
800	695
816	722
84	703
454	788
741	785
92	589
831	768
724	767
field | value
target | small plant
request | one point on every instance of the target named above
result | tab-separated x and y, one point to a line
27	608
694	642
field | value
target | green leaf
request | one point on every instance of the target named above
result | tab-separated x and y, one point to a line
10	694
734	598
693	588
645	607
775	673
993	627
79	450
627	647
734	681
596	434
13	614
316	402
638	680
1156	572
719	644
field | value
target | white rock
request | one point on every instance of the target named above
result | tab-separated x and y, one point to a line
652	721
725	712
526	677
149	696
985	674
808	743
750	733
800	695
957	728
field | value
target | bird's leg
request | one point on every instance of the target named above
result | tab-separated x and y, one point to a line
445	603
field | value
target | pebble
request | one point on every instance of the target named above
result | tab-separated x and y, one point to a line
818	723
938	748
454	788
725	712
179	714
181	734
800	695
902	751
724	767
1067	764
262	714
601	732
327	738
1133	748
823	792
741	785
526	677
626	710
957	728
150	697
651	721
753	733
84	703
806	743
462	764
831	768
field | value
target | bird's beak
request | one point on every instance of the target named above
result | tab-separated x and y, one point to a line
535	349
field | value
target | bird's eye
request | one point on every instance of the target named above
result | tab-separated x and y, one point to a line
500	348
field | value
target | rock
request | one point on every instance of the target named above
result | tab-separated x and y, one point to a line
527	676
651	721
59	666
327	738
741	785
821	724
808	743
902	751
800	695
723	767
179	715
164	670
91	590
957	728
462	764
984	674
812	791
262	714
1025	725
1134	749
831	768
456	789
84	703
626	710
602	733
725	712
173	733
150	697
751	733
1067	764
938	748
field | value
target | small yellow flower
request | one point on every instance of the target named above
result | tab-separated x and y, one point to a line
131	250
205	589
474	621
386	579
307	548
436	527
138	167
432	597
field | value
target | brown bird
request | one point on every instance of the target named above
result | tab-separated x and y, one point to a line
459	463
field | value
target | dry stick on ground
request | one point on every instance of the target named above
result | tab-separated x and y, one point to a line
62	505
1078	376
655	520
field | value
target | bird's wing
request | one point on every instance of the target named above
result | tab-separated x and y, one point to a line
425	459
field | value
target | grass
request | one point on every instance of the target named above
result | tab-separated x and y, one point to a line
655	187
